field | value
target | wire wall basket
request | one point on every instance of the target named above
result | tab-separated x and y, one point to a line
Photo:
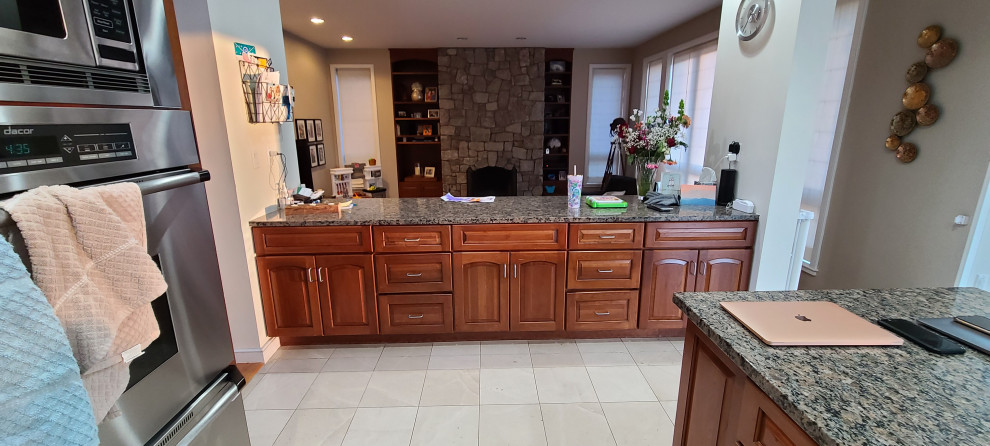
266	99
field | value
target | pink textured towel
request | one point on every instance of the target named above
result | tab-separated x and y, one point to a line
88	250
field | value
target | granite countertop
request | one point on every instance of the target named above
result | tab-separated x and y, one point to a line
429	211
864	395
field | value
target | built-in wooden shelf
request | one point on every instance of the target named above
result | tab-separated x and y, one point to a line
558	103
557	126
557	117
414	103
561	87
414	73
556	135
421	143
417	119
410	66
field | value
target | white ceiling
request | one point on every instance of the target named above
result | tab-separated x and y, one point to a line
487	23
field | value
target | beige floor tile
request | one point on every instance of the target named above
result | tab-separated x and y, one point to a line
606	359
381	426
303	352
508	386
394	388
505	348
279	391
577	424
336	390
648	345
265	425
601	346
447	426
512	425
451	388
663	379
358	351
395	350
672	357
455	362
564	385
620	384
553	347
636	424
350	364
297	366
557	360
403	363
506	361
456	348
670	407
316	427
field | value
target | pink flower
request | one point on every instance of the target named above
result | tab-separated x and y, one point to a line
652	166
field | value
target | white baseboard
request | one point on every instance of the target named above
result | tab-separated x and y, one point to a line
263	354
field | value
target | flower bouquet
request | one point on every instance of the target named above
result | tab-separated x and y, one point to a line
648	140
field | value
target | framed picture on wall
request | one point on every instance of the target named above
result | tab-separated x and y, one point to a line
433	113
319	130
313	157
300	129
310	130
431	94
430	172
321	155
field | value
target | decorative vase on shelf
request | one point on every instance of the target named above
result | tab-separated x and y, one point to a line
646	172
417	92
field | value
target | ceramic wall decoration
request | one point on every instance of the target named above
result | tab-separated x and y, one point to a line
917	98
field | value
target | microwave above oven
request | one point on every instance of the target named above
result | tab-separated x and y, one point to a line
81	32
86	52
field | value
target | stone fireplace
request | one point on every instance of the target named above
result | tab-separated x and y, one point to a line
491	114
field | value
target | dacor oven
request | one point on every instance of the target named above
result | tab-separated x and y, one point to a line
112	52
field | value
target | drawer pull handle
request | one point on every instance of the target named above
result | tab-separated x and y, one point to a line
604	270
415	316
606	236
414	275
309	274
602	314
411	239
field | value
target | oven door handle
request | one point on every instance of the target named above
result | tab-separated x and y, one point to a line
156	185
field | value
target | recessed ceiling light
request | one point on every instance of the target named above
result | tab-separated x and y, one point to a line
462	38
520	38
317	20
346	38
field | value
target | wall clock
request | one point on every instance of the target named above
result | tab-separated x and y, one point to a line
751	17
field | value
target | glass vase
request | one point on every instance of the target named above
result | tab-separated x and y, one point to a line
645	177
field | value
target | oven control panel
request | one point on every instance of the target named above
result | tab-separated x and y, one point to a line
38	147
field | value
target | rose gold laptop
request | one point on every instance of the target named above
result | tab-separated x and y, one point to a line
808	323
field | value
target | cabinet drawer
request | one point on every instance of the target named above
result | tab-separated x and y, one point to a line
605	236
601	310
592	270
412	238
701	235
413	273
416	313
312	240
510	237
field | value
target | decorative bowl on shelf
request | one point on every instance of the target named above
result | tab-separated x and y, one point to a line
557	66
550	188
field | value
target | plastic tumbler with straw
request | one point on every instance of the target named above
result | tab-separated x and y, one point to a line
574	189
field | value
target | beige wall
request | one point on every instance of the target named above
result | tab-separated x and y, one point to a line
890	224
234	150
583	58
307	65
379	58
703	25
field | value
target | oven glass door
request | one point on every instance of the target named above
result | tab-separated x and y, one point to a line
49	30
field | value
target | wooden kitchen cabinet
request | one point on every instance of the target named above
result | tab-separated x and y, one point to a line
481	291
290	296
673	271
537	291
347	294
718	404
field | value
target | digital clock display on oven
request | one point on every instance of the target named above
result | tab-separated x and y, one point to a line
16	147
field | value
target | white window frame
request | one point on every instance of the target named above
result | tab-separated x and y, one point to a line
810	266
337	112
668	63
623	105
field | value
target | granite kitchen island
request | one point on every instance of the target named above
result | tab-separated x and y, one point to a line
734	388
518	268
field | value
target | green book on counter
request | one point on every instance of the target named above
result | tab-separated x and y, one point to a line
606	201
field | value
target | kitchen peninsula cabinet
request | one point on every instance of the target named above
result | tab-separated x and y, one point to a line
516	268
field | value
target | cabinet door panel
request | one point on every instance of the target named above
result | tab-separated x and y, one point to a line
665	273
724	269
762	422
347	290
290	296
481	291
537	291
